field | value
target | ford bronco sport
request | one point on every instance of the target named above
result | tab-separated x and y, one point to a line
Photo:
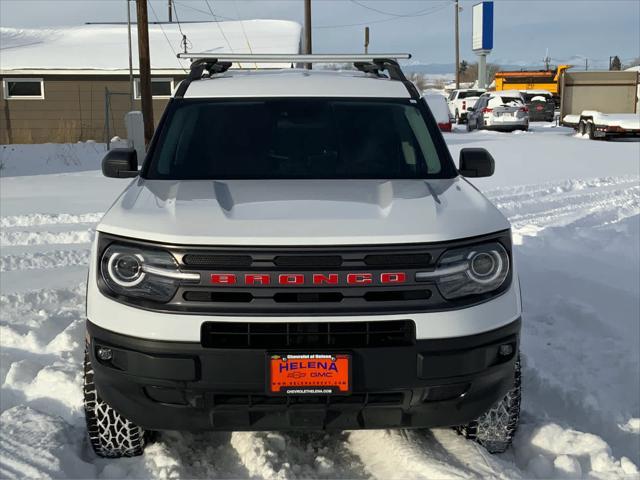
299	252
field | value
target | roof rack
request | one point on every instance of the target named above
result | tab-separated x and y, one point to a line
375	64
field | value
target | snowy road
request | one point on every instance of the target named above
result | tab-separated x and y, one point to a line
575	210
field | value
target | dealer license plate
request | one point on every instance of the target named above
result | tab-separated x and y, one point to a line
309	374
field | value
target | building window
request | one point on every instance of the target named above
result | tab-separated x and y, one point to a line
160	87
23	88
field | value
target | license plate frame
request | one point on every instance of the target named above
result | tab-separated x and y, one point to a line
303	376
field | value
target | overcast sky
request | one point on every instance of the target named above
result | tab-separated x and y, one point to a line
524	29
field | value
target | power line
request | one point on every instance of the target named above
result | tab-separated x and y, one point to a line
185	43
216	16
175	54
413	14
219	27
398	17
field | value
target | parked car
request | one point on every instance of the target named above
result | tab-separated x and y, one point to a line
541	105
460	101
438	105
299	252
503	110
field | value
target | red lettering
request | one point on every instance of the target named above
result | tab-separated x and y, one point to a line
223	278
257	279
320	279
359	278
291	279
399	277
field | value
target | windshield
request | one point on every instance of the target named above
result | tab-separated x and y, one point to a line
470	93
505	101
541	97
312	138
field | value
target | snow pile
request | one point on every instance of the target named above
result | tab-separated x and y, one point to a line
575	210
39	159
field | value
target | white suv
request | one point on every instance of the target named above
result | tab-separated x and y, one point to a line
460	101
299	252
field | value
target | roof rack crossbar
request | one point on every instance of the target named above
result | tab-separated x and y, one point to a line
374	64
292	58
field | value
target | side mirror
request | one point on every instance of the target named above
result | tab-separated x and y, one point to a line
470	109
120	163
476	162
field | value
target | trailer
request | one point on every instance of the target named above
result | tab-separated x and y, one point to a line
601	104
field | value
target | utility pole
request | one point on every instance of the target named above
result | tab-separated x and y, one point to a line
307	30
457	45
131	94
170	12
586	64
366	40
145	69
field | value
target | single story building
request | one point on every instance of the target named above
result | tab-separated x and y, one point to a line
73	84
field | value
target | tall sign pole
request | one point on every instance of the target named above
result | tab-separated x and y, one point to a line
145	69
482	38
307	30
366	40
457	19
131	94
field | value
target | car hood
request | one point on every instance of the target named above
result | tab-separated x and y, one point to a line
301	212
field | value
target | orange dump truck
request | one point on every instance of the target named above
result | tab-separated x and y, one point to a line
531	80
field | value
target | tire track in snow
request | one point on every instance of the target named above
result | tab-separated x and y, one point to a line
396	454
44	260
34	219
275	455
597	202
9	238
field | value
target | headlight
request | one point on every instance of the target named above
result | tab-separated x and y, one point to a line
142	273
473	270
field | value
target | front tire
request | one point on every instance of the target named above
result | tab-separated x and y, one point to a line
111	435
590	130
494	430
469	126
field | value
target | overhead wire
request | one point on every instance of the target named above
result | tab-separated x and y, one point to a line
383	20
244	32
392	14
219	26
166	37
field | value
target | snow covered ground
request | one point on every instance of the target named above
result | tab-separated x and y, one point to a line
575	209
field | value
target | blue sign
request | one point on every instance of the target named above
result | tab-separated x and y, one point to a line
482	33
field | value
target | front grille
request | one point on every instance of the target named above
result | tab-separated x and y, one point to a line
281	281
398	260
216	261
314	261
269	335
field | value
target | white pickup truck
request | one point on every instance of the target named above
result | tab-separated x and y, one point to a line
601	104
460	100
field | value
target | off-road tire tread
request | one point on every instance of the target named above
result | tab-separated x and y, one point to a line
111	435
495	429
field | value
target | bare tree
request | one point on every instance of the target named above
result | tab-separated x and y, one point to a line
419	80
616	64
633	63
470	73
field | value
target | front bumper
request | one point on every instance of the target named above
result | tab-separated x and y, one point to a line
163	385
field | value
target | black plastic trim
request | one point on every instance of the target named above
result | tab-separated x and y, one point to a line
163	385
